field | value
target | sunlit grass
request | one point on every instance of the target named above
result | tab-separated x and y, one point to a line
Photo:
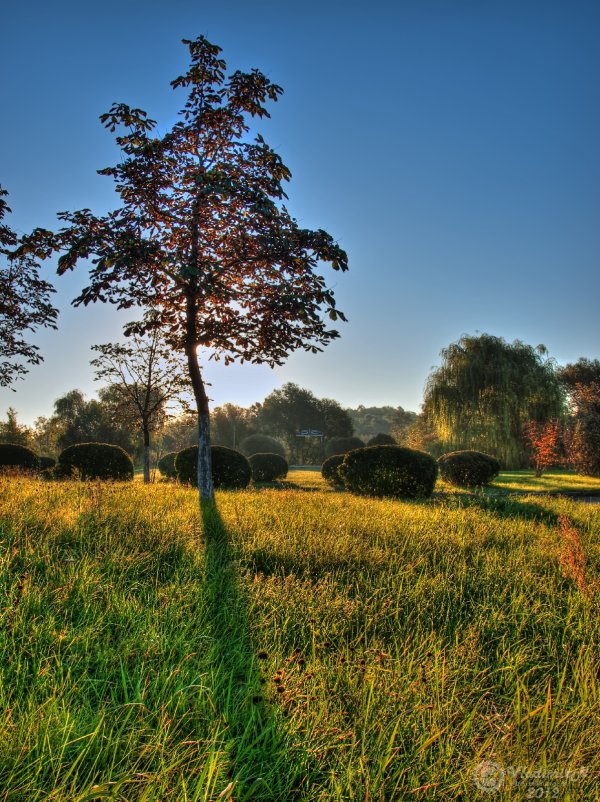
551	481
291	645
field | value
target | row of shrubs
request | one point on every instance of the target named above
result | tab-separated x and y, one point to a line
84	460
230	469
381	470
104	461
403	472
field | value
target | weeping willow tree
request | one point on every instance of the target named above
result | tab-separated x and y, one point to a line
485	391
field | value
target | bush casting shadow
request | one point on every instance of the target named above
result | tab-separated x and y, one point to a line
285	485
507	507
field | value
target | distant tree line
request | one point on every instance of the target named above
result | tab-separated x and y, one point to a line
509	400
114	417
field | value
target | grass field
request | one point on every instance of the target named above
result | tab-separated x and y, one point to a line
295	643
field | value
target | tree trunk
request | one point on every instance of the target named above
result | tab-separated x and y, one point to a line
146	456
205	483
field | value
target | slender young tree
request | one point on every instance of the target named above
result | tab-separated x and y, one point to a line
202	239
24	304
148	379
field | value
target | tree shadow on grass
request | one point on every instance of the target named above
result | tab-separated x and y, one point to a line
265	764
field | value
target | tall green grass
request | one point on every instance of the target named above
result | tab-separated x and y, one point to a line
292	643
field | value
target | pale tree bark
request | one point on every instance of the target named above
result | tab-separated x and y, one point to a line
205	483
146	455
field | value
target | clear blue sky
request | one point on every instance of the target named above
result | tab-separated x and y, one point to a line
450	147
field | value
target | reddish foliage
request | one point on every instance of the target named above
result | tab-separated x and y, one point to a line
572	556
583	437
545	441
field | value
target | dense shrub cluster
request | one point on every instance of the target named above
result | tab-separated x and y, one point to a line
330	469
230	469
389	471
342	445
13	456
468	468
261	444
166	465
95	461
268	467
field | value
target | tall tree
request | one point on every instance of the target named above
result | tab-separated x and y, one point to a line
583	372
581	380
78	420
230	424
202	238
148	381
484	392
24	304
291	408
46	432
11	431
583	436
179	433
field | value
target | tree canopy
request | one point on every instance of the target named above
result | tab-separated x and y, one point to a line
24	304
203	240
583	373
79	420
582	382
11	431
291	408
485	391
230	424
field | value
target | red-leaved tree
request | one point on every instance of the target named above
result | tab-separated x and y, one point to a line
544	440
203	241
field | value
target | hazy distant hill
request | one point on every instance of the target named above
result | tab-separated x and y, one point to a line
369	421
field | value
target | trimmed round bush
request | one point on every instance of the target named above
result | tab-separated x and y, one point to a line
230	469
268	467
389	471
95	461
261	444
468	468
46	462
342	445
381	439
186	465
166	465
330	469
13	456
